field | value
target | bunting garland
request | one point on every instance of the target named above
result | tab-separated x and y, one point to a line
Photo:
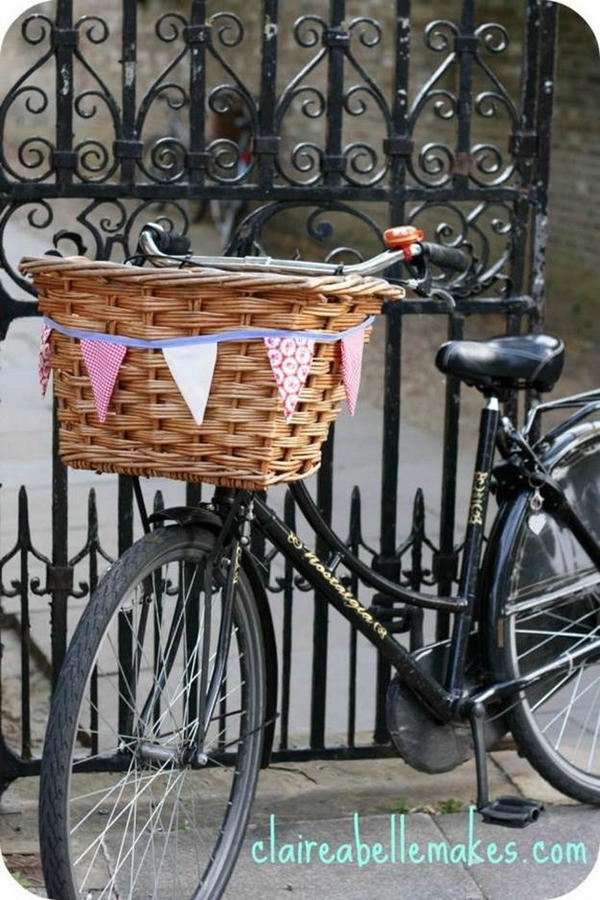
191	362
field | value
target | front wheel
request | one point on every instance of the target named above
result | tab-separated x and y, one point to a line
545	601
151	759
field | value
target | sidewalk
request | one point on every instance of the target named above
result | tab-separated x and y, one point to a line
338	803
318	802
509	877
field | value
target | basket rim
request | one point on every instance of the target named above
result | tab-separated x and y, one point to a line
108	271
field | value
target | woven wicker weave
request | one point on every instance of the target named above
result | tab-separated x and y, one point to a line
245	440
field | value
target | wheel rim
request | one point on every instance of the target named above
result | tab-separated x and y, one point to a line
554	607
164	822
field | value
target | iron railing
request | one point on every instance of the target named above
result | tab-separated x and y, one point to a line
98	148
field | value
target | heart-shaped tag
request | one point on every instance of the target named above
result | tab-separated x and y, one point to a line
536	522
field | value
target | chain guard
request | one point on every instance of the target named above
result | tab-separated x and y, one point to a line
424	743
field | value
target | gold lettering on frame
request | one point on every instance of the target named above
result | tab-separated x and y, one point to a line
295	541
478	496
349	599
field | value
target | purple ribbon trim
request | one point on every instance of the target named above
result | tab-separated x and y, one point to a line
249	334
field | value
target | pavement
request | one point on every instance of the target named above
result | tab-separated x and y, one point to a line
322	802
431	843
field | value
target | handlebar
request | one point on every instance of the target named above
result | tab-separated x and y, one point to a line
163	248
446	257
154	244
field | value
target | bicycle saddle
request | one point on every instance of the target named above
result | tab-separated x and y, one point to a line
510	361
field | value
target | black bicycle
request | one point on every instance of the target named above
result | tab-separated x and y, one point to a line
166	705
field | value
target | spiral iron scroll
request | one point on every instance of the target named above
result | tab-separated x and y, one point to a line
338	131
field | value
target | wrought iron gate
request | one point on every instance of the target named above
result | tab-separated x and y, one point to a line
185	131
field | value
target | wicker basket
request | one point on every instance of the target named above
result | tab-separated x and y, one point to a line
245	440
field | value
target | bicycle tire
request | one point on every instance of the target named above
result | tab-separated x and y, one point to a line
545	600
154	826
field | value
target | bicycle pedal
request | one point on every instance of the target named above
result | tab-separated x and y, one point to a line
512	812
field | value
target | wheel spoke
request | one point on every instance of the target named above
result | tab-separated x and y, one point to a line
552	609
132	824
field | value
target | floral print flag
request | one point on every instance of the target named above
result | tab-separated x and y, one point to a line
290	360
44	359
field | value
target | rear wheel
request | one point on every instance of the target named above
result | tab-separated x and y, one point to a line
549	605
146	786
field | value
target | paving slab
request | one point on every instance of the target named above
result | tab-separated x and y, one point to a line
393	875
527	781
549	858
445	856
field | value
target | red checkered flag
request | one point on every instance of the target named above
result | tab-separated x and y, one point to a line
352	354
102	361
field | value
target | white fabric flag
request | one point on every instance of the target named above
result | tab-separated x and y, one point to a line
192	370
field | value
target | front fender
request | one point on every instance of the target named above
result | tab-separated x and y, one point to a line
264	610
187	515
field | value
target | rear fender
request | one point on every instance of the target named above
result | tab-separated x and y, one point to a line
501	548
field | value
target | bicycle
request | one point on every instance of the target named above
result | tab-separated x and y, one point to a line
169	684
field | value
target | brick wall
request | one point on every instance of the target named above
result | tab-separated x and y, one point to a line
573	283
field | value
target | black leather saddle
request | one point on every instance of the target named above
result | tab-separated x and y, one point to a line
508	362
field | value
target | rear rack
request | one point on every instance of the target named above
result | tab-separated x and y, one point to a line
588	402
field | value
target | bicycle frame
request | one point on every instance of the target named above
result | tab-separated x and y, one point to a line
449	701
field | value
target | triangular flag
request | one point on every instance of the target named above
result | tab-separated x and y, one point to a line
352	354
44	359
192	370
102	361
290	360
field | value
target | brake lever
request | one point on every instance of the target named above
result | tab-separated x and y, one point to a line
417	267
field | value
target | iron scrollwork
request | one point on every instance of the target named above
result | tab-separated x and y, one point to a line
336	141
233	137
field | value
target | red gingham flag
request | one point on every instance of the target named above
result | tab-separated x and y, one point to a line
290	360
103	361
352	354
44	359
